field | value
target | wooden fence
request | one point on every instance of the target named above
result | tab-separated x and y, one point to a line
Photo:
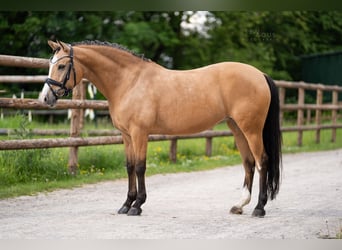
78	104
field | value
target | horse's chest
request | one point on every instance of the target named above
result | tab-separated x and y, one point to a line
118	120
119	123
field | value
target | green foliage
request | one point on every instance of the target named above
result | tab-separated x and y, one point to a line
272	41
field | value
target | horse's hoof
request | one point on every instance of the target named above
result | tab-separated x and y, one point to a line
259	212
236	210
134	211
123	210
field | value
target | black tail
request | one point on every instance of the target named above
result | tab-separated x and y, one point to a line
272	142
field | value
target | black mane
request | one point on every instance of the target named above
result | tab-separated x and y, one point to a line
113	45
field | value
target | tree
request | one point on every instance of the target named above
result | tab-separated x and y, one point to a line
274	41
271	41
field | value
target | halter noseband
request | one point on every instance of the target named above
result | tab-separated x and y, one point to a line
63	90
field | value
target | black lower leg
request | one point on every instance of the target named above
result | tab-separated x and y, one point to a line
140	170
259	210
132	191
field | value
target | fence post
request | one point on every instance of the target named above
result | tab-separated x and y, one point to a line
300	115
308	116
83	96
334	115
208	146
282	93
173	151
76	125
318	119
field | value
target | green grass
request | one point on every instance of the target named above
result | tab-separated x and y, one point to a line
309	141
26	172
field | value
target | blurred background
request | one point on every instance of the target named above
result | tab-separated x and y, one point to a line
282	44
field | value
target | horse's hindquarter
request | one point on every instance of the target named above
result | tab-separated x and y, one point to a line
245	92
194	100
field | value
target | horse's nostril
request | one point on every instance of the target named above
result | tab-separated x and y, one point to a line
45	99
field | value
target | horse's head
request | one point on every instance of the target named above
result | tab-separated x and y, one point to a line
63	75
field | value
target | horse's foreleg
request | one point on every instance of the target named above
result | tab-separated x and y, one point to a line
140	149
132	191
130	166
140	169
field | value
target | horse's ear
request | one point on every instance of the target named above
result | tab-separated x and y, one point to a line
54	46
63	45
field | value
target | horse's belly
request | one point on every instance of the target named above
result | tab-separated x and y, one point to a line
188	121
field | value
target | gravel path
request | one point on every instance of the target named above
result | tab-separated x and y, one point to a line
188	205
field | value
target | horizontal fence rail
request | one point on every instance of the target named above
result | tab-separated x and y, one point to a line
23	79
103	105
61	104
24	62
307	86
78	137
65	132
98	140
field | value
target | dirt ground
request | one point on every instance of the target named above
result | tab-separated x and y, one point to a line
188	206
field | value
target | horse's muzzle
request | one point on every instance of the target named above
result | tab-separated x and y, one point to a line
47	96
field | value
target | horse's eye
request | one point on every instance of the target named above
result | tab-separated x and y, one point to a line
61	66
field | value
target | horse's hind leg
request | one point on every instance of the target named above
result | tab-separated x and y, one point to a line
261	160
259	210
249	166
250	143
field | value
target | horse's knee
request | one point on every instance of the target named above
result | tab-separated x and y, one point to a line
129	168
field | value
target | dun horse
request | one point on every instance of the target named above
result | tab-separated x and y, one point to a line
145	98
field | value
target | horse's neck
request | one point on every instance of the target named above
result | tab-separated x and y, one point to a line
107	68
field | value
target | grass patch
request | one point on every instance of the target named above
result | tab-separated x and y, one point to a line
26	172
309	141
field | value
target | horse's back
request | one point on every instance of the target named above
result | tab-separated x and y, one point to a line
241	87
227	76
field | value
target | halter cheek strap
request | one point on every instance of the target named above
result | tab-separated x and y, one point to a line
62	85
